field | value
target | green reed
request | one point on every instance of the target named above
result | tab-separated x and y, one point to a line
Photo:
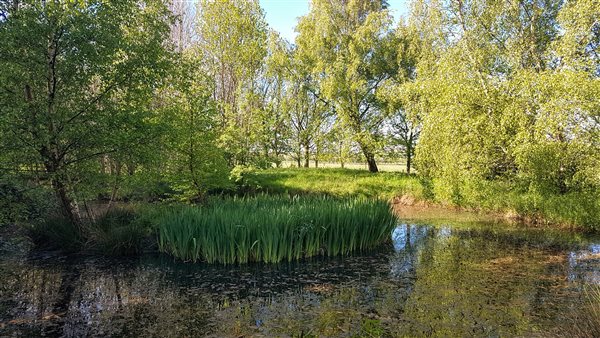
274	228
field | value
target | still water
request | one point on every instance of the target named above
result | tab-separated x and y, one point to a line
436	279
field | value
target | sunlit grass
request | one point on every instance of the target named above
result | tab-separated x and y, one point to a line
337	182
274	229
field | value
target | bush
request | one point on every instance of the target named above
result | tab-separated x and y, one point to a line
23	202
117	232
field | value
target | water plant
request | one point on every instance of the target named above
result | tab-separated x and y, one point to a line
56	232
274	228
119	232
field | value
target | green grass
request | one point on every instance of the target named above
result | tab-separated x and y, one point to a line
56	233
335	182
579	208
575	209
274	228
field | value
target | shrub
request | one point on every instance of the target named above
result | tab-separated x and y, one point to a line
23	202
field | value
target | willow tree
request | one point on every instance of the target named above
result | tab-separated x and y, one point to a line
76	84
511	92
348	44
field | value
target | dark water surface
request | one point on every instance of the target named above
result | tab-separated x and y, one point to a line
449	279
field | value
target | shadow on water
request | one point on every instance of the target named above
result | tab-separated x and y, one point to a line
473	279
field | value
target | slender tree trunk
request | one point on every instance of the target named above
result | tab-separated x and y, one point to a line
316	156
69	206
372	164
341	154
306	155
409	151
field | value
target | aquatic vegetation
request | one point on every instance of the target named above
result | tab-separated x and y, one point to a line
589	325
56	233
119	232
274	228
114	233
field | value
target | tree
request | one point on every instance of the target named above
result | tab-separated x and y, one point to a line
193	163
509	90
348	45
399	95
77	84
232	36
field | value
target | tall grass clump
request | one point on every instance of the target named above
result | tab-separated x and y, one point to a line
116	232
119	232
274	228
57	233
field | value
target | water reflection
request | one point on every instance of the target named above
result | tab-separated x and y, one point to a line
443	280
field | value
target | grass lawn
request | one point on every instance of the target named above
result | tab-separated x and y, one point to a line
336	182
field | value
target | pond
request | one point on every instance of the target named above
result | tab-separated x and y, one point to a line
442	278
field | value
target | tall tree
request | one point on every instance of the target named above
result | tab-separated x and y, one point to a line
399	94
508	88
76	84
348	44
232	38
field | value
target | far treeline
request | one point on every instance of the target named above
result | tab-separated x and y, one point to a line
146	98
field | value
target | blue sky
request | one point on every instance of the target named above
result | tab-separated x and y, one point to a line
282	15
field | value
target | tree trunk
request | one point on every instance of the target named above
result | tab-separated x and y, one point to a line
408	158
372	164
316	156
370	157
341	153
69	206
306	155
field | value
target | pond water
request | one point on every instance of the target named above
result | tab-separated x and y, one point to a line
441	278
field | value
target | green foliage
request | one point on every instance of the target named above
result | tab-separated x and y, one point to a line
508	96
274	229
77	84
196	165
350	51
117	232
580	208
243	178
232	47
23	202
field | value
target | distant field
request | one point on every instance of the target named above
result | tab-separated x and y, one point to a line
389	167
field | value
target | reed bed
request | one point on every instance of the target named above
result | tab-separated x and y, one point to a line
274	228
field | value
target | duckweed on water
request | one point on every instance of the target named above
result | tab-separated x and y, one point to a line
274	229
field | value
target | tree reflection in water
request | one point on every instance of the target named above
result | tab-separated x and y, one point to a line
434	280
